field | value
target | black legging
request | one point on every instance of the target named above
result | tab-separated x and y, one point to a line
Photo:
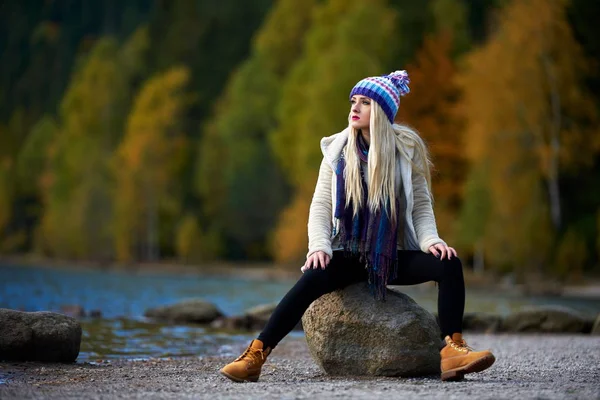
414	267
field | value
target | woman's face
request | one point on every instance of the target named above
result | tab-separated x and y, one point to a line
360	112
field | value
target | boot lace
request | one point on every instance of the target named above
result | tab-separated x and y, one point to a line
460	346
253	356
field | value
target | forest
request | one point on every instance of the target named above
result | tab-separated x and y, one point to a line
188	131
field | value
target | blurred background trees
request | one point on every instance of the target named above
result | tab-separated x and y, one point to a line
154	130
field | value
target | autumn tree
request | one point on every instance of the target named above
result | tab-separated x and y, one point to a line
76	186
32	158
147	167
431	109
531	120
30	167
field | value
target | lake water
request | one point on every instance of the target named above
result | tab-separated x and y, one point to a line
122	297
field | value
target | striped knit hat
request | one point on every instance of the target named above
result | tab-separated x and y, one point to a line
385	90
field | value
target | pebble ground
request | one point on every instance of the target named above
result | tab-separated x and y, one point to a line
527	367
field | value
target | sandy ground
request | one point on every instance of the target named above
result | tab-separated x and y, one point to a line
527	367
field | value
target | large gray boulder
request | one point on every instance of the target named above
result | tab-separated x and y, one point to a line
350	333
550	319
38	336
188	311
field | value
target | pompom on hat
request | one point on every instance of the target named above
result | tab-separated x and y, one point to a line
385	90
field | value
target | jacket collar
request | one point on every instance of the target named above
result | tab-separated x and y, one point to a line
332	147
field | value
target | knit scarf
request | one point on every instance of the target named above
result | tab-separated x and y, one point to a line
372	236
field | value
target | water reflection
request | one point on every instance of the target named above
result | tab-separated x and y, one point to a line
107	339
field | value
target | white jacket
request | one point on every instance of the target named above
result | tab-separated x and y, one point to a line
420	228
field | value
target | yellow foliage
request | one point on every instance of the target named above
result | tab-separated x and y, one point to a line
431	109
74	174
148	161
193	245
290	237
511	80
13	242
522	90
6	192
571	256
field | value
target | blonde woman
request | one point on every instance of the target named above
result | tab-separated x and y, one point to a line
371	219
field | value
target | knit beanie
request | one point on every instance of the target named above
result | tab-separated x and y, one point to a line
385	90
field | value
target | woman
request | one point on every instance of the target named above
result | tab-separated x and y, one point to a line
371	219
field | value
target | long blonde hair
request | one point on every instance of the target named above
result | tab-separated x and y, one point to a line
387	143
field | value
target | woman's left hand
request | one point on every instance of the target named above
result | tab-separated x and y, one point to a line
444	250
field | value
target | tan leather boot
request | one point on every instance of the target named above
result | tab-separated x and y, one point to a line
459	359
247	366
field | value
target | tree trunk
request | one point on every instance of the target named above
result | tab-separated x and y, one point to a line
478	258
555	126
151	224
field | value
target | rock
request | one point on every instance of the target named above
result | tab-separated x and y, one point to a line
72	310
596	327
96	313
350	333
481	322
38	336
538	286
545	319
261	312
193	310
237	322
254	319
259	316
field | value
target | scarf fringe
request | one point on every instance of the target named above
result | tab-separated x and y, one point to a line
381	270
372	236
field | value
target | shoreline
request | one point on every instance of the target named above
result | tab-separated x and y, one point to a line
589	289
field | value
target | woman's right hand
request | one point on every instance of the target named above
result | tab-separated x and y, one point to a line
316	260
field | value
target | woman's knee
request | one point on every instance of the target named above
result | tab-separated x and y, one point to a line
315	281
452	267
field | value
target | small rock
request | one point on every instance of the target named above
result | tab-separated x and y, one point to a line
481	322
258	316
254	319
72	310
231	323
545	319
193	311
596	327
